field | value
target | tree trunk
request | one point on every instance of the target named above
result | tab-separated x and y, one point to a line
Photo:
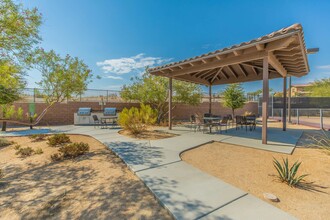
4	126
233	113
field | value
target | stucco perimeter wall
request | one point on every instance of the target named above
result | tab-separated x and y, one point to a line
62	113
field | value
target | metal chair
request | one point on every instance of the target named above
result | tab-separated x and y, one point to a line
223	123
98	122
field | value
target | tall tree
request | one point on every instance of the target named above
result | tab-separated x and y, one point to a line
19	35
320	88
234	97
153	90
62	78
19	32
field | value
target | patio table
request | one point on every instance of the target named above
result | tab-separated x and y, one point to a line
210	121
110	119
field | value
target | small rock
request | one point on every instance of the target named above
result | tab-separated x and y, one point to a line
271	197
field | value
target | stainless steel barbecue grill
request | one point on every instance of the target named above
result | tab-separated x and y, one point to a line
84	111
109	112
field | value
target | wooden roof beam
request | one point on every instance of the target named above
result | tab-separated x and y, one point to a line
219	63
237	52
260	47
216	75
280	44
232	71
273	61
224	74
203	74
194	80
258	67
209	74
242	70
254	71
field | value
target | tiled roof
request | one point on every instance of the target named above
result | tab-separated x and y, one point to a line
293	28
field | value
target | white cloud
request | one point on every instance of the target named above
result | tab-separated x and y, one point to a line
115	77
130	64
324	67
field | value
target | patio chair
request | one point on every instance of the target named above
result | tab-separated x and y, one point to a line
98	122
251	121
230	120
240	122
192	121
200	125
223	123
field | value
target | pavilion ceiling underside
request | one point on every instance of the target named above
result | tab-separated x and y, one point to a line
286	56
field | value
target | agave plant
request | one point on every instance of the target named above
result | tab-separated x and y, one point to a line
321	140
288	174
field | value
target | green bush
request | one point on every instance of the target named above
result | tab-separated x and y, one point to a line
24	151
74	150
58	140
56	157
70	151
286	174
4	142
38	137
137	120
17	147
321	141
38	151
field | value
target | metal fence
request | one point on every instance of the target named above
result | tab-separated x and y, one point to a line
311	111
36	95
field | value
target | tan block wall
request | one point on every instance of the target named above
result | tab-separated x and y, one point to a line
62	113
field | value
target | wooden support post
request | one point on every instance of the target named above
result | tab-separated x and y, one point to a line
170	103
210	99
289	101
284	104
265	98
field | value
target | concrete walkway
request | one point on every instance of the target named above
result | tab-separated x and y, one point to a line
187	192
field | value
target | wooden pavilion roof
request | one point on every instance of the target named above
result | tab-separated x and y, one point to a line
285	49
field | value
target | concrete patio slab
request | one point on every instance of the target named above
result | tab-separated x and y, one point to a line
188	192
248	208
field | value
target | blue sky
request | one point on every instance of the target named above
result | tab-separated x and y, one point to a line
117	38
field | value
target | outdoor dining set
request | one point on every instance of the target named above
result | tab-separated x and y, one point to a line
208	121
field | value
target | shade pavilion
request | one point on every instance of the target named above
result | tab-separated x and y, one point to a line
279	54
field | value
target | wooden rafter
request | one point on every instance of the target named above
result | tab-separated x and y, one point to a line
280	44
220	63
254	71
273	61
260	47
216	75
204	73
242	70
232	71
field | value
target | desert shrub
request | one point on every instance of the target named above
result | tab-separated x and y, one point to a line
58	140
56	157
321	140
70	151
1	173
17	147
74	150
4	142
288	174
24	151
137	120
38	151
38	137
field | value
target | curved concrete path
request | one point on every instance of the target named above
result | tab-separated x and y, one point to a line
184	190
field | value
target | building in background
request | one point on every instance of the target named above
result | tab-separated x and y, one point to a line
300	90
